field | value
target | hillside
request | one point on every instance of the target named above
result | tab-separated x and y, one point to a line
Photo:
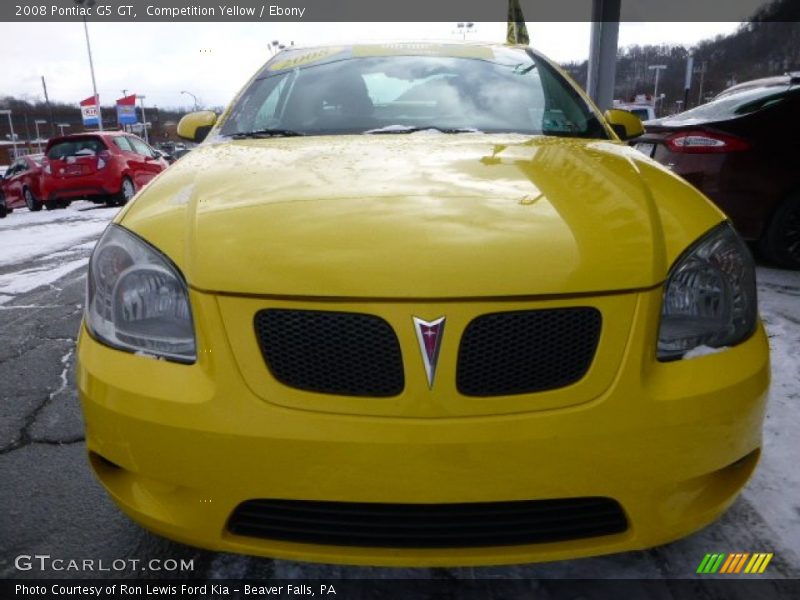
769	45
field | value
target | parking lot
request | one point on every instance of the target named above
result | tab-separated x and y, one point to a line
53	505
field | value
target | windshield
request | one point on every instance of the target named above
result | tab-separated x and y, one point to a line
734	105
497	90
88	146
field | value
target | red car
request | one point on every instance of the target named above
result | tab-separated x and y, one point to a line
20	185
742	150
103	167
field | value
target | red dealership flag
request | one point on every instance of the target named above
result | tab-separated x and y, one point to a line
126	110
90	112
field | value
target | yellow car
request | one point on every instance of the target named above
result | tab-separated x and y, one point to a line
419	304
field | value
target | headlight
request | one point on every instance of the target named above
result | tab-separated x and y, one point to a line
137	299
709	296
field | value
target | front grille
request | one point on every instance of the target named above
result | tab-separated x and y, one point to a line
428	525
339	353
527	351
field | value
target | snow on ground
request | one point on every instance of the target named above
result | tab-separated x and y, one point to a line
776	483
50	244
26	234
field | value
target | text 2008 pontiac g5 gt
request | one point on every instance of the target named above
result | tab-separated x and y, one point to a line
418	304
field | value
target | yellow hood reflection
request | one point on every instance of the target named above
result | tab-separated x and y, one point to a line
416	216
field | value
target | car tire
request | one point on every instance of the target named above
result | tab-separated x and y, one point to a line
3	208
30	201
780	242
126	191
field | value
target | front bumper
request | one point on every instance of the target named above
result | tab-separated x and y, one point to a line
180	447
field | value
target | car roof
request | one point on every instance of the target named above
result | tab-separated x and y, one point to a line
298	56
87	134
775	81
421	45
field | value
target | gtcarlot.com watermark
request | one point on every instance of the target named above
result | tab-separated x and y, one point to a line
45	562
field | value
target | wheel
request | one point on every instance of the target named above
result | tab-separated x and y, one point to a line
32	203
3	208
780	242
126	191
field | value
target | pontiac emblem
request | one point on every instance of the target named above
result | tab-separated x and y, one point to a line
429	336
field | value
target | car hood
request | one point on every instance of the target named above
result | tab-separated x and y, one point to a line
416	216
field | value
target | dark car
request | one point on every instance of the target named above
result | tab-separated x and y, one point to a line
742	150
103	167
21	185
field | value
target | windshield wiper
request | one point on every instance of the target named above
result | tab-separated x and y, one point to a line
413	129
265	133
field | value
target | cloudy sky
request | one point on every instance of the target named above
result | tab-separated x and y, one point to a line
213	60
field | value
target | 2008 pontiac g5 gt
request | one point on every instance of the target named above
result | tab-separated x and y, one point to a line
419	304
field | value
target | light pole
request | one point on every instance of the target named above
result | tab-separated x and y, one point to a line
657	69
36	123
11	127
144	119
463	28
702	70
61	127
89	4
193	97
124	95
275	46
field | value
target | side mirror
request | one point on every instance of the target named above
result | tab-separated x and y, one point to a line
625	124
195	126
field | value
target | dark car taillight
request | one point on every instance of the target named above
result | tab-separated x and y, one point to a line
705	142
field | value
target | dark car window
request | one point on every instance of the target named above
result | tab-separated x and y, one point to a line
140	147
735	105
497	90
88	146
123	143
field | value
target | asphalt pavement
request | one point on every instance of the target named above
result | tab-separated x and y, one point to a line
52	505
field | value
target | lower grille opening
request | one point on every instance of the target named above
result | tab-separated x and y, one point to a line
428	525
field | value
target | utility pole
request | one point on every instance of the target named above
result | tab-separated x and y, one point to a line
90	3
49	110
